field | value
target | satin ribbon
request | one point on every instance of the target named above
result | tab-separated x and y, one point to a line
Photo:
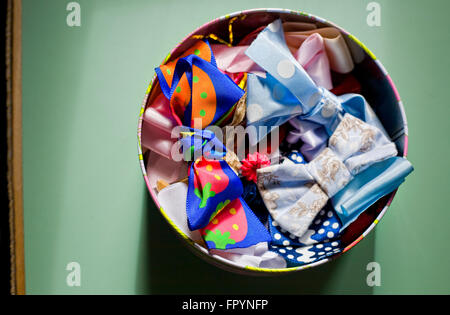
288	91
287	27
157	127
258	256
317	50
164	171
337	50
172	200
310	54
196	88
354	171
214	203
313	58
233	60
314	135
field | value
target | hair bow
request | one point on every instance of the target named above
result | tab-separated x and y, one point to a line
354	171
322	239
325	227
288	91
214	204
307	254
196	88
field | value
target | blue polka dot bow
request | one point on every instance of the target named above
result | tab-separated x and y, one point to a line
321	240
325	227
298	256
358	167
288	92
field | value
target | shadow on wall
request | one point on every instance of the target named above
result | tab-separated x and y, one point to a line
167	266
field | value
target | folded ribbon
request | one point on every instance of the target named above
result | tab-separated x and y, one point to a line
295	193
157	127
338	52
196	88
335	46
288	91
313	137
258	256
307	254
311	55
325	227
214	202
316	49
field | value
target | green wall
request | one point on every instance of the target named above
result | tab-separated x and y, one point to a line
84	195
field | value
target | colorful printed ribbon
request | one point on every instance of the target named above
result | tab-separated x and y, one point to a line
196	88
358	153
288	91
214	202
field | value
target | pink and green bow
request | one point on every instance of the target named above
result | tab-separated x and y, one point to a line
214	204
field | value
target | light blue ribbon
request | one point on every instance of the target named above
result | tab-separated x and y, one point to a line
368	186
288	92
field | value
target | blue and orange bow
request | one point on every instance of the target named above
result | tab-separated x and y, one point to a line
196	88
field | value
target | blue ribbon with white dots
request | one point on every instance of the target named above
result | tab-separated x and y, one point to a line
288	91
298	256
325	227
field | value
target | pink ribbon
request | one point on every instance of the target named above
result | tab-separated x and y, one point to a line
311	55
317	49
157	127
